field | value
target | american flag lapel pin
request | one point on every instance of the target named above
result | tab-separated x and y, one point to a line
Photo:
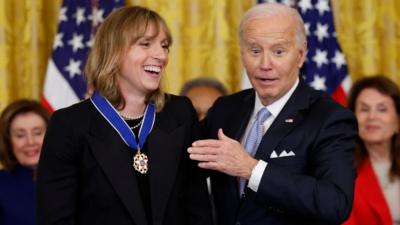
290	120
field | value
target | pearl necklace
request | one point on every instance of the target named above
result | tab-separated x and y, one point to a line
130	117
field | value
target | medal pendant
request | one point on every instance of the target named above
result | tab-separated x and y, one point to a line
140	162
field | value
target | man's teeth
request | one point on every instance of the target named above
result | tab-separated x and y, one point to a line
155	69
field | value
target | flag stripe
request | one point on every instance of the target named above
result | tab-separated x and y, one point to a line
57	91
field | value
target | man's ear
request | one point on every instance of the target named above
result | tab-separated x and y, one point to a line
302	54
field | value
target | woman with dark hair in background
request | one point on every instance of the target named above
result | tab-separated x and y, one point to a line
376	104
22	127
119	157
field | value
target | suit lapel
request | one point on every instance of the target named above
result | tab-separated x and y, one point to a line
165	145
237	123
165	157
113	156
236	130
287	119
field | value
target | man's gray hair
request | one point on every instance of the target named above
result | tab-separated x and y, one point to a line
271	9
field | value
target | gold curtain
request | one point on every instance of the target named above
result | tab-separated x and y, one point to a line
27	29
204	32
205	40
369	33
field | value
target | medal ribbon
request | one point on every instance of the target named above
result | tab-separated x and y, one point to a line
115	120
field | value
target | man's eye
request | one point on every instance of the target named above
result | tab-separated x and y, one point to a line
255	50
279	52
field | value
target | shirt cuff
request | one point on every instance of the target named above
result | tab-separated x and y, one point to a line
256	175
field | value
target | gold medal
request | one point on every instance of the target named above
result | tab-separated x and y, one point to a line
140	162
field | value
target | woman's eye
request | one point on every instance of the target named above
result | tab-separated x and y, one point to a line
382	109
145	44
38	133
165	47
19	135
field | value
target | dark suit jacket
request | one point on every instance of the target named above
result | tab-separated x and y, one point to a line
313	187
17	196
85	173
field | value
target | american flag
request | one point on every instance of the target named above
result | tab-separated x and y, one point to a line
78	20
325	67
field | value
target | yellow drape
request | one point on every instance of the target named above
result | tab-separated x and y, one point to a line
369	33
205	40
27	28
204	32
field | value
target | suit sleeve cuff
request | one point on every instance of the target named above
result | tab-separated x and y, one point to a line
256	175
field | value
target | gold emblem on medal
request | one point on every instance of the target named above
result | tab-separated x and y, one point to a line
140	162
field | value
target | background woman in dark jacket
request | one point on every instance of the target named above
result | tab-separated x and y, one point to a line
22	127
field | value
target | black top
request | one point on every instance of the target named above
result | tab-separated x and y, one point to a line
142	179
85	174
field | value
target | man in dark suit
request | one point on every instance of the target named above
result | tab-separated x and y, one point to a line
281	153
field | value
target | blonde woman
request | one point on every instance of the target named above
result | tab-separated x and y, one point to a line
119	157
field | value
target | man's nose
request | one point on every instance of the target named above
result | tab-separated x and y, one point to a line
266	61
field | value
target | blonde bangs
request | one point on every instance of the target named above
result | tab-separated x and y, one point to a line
121	29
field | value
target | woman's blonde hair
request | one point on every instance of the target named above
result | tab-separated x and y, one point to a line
122	28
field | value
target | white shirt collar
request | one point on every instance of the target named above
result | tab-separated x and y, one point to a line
276	107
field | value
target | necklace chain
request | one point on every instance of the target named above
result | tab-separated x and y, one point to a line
137	125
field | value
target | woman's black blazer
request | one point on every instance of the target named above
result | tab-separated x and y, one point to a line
85	173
